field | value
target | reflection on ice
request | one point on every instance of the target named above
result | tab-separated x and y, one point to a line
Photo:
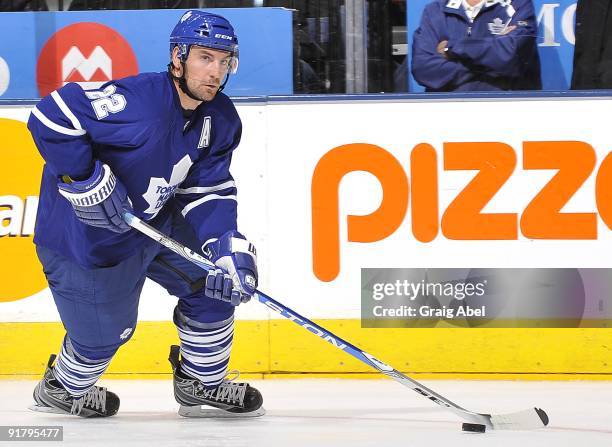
333	413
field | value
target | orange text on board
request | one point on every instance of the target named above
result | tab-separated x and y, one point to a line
495	162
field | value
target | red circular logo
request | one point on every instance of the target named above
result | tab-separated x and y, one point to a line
88	53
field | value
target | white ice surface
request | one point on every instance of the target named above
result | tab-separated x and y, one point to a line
333	413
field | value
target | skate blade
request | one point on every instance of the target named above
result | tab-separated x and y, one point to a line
45	409
211	412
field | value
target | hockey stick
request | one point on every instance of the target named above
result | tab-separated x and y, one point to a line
531	418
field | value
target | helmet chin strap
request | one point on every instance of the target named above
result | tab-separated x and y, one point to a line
227	75
182	82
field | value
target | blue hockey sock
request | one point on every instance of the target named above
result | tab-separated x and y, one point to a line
76	373
205	348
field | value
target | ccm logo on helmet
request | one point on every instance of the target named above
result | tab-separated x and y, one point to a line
223	36
463	218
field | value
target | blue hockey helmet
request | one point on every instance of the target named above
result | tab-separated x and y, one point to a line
206	30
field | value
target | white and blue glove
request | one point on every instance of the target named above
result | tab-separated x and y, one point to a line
98	201
235	280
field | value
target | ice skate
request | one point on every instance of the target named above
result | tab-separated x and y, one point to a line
51	397
229	400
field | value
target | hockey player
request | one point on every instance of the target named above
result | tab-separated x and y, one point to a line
158	145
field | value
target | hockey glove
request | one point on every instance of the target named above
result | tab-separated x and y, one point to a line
236	279
99	200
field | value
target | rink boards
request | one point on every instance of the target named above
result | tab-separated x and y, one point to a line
345	157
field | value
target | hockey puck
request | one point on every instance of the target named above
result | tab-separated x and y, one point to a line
473	428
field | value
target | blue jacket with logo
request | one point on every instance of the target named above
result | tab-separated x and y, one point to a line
164	159
481	55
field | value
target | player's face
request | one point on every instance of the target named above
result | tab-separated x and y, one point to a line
205	71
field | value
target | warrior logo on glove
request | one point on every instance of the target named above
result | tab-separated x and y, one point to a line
98	200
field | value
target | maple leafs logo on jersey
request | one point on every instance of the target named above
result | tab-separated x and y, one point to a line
160	190
498	26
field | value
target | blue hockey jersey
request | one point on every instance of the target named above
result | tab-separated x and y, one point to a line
137	126
483	56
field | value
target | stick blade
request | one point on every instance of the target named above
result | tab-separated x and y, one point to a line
530	419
